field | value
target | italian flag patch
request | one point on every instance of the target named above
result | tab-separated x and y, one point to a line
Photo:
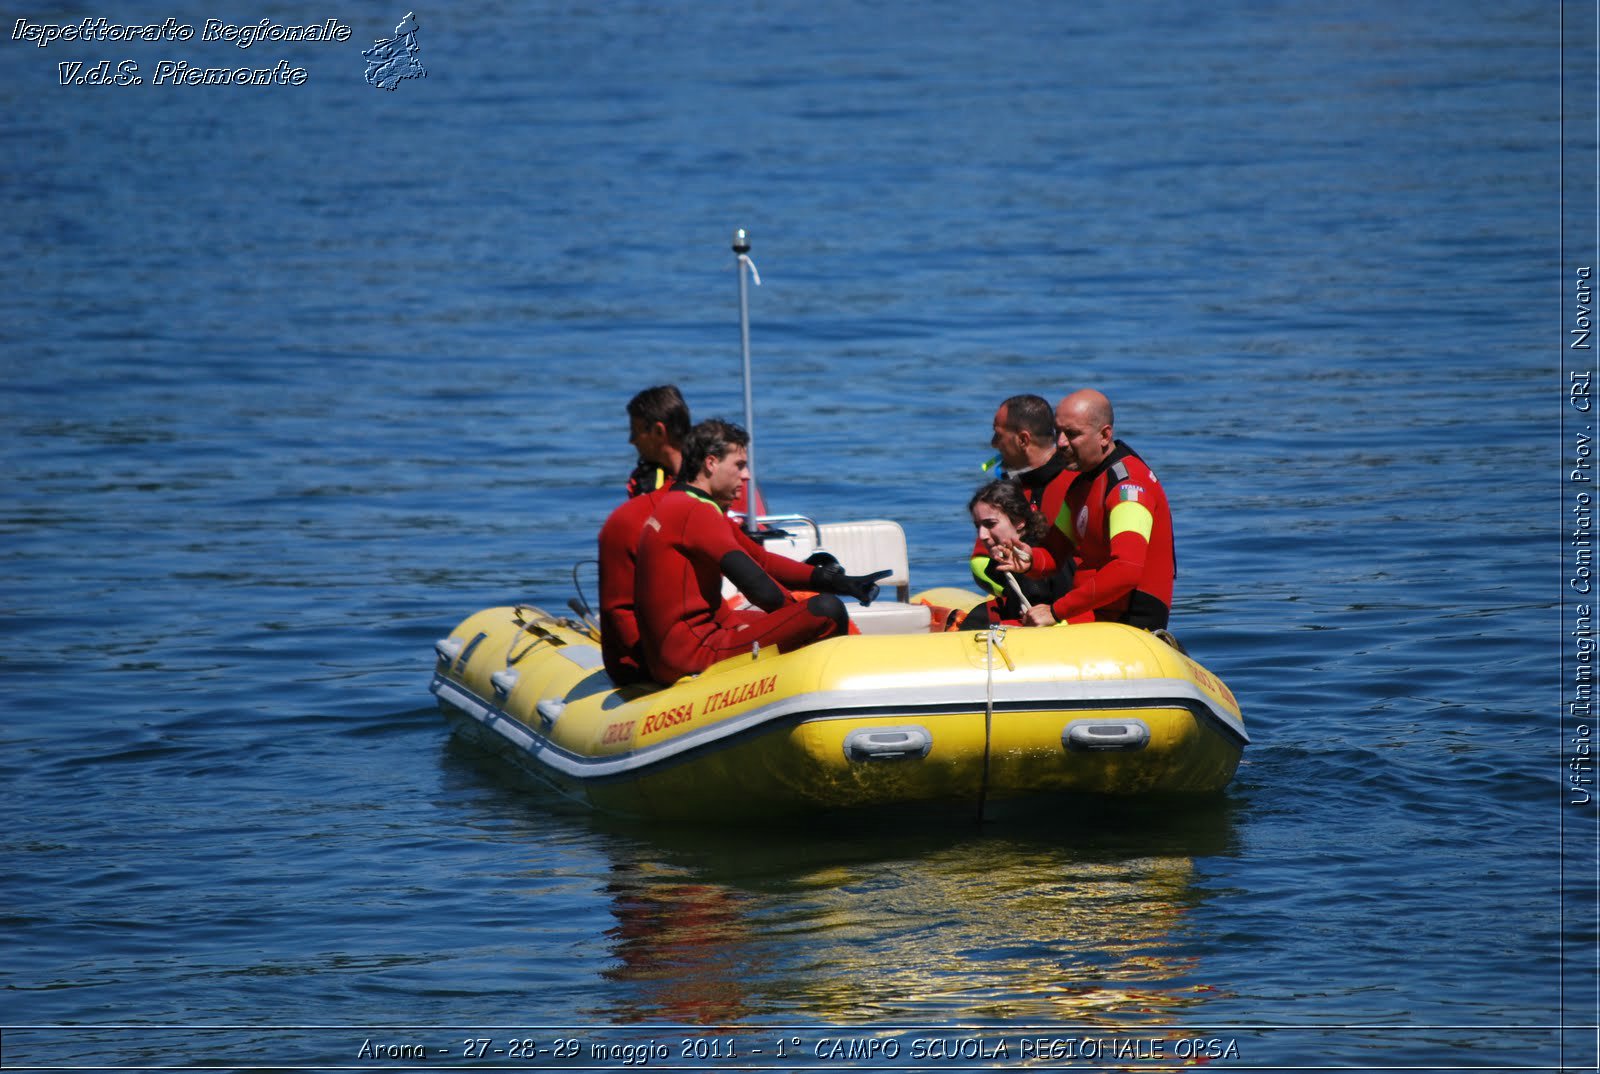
1129	493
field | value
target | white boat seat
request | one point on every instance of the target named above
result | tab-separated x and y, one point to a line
860	547
873	545
890	617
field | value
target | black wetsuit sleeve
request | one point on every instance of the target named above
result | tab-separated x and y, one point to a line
755	583
1038	590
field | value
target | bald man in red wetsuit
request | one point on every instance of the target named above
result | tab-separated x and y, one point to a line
689	545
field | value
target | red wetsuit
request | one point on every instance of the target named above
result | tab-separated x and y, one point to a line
619	626
1043	487
683	555
1116	523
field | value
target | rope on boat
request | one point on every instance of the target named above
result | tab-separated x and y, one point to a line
1016	588
580	604
530	621
993	639
988	716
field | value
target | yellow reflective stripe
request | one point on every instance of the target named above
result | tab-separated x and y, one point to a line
1064	521
700	497
1131	516
979	565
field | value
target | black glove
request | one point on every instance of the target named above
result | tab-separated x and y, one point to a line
830	578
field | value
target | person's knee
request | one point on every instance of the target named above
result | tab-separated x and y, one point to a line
977	618
827	606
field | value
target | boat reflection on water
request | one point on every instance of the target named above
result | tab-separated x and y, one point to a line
680	947
1082	921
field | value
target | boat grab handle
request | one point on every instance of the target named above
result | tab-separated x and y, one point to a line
887	743
504	681
1100	735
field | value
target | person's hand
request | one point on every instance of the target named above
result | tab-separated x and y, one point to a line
864	587
1013	556
1039	615
830	578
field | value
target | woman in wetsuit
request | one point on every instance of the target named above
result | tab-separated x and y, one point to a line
1004	519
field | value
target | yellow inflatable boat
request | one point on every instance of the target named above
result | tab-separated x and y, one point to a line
894	715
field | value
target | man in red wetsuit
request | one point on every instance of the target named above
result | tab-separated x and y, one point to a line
658	420
689	545
619	625
1025	438
1114	521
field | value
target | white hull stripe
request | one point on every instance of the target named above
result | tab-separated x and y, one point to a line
836	705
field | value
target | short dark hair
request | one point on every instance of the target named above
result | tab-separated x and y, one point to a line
663	403
711	437
1031	413
1006	494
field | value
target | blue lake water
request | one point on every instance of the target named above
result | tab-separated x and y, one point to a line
297	376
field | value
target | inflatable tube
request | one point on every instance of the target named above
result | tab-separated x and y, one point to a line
864	720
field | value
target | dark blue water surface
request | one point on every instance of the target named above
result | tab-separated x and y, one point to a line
296	377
